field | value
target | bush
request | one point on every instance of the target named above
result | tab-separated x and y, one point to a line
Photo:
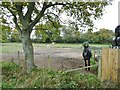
43	78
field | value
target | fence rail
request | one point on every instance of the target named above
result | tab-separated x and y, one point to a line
80	68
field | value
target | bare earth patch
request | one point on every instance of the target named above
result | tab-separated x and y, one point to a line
52	58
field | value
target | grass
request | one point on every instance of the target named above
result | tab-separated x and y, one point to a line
14	47
44	78
64	45
10	47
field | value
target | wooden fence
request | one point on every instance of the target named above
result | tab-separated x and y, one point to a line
110	69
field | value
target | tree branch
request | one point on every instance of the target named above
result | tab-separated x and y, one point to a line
45	6
57	3
29	11
40	29
15	19
39	16
21	17
57	17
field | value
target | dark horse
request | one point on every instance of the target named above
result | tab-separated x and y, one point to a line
116	41
87	55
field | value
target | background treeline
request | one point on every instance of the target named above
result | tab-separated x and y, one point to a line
62	34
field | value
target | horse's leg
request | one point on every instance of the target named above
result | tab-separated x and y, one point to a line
85	63
89	64
116	41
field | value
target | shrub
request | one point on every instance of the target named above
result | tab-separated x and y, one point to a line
44	78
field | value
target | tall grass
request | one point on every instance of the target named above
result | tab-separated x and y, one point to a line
44	78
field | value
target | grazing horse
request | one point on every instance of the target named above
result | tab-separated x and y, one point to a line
87	55
116	40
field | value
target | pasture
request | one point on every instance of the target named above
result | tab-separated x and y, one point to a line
14	47
52	60
52	56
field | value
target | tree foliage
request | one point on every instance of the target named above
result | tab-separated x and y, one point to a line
82	12
71	35
15	37
104	36
47	32
101	36
5	33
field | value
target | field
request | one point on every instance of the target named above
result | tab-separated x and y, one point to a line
52	60
52	56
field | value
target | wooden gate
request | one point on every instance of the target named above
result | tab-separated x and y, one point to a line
110	64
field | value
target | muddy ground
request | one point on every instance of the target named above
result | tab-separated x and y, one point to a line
51	57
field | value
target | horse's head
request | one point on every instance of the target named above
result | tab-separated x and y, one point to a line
116	40
117	31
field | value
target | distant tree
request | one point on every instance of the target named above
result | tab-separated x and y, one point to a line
103	36
5	33
48	32
67	34
15	37
89	36
70	34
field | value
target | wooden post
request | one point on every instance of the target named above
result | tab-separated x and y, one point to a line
111	64
49	63
100	65
105	65
18	61
99	68
119	66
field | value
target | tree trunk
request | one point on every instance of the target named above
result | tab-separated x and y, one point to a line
28	50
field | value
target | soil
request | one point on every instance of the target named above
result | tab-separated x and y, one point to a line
51	57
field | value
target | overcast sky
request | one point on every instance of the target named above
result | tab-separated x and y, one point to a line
110	18
108	21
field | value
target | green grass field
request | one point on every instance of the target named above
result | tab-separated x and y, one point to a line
10	47
14	47
37	78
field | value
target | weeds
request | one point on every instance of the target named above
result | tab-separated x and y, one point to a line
44	78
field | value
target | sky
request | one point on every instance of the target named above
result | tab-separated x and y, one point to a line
110	18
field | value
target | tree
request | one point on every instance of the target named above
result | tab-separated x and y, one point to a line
88	36
70	34
101	36
104	35
5	33
15	37
47	32
27	14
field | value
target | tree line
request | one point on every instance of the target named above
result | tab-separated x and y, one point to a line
63	34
